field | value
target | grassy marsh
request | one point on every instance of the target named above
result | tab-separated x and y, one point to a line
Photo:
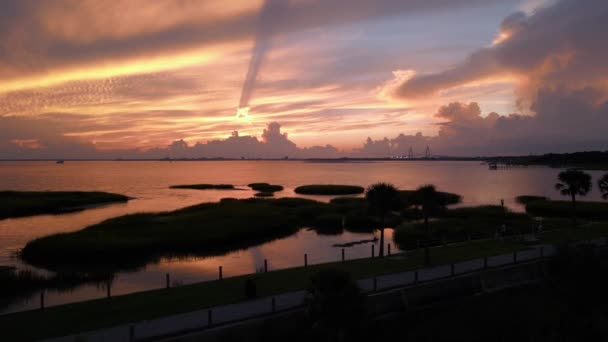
27	203
329	189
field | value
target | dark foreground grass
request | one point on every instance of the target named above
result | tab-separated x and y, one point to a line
587	210
525	199
329	189
204	186
133	240
85	316
26	203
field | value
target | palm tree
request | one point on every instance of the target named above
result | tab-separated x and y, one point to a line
573	183
432	203
603	185
382	198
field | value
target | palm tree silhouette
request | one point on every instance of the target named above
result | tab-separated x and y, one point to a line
573	183
432	203
382	198
603	185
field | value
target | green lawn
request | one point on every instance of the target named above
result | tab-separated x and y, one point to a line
27	203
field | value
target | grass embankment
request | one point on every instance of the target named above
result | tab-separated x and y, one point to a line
204	186
265	189
85	316
329	189
15	285
27	203
461	224
206	229
586	210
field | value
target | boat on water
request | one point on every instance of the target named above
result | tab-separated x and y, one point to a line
492	166
61	161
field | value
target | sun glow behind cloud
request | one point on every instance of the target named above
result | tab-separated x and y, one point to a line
320	79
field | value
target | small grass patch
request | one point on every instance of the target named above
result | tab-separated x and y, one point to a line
587	210
265	187
408	198
27	203
329	189
204	186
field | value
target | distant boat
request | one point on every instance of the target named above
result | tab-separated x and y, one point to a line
492	166
60	161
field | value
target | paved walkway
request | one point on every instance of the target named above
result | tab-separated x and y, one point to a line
201	319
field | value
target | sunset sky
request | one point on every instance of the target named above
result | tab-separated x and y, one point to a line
165	78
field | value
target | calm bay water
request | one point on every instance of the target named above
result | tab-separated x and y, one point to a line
148	183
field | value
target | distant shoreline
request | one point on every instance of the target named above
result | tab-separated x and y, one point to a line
592	160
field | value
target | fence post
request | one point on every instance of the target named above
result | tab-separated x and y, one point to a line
209	318
389	249
109	289
542	252
131	332
443	240
485	262
343	255
305	260
375	283
373	250
42	300
417	244
273	304
452	270
168	280
416	277
265	266
221	273
515	257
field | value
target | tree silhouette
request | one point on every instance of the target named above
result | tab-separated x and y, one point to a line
573	183
432	203
382	198
603	185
